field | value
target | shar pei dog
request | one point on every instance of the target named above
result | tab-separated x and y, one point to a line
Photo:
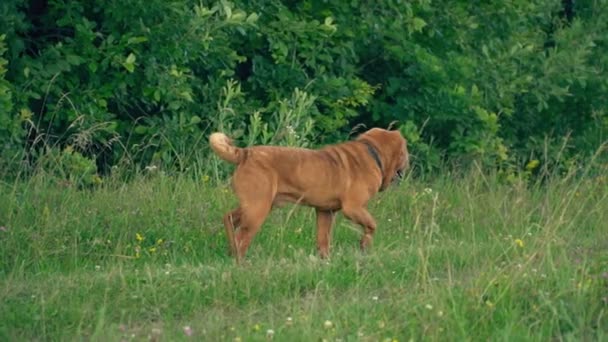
337	177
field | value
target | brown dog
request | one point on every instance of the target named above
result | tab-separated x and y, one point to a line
343	176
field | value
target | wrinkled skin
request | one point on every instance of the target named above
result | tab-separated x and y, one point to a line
337	177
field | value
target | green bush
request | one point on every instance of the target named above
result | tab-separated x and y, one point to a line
11	133
69	167
143	83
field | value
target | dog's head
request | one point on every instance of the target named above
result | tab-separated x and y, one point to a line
392	149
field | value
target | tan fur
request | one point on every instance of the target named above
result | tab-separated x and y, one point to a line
222	146
337	177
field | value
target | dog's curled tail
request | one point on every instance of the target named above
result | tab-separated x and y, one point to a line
223	147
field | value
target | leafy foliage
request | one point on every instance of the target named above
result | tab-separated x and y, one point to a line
141	83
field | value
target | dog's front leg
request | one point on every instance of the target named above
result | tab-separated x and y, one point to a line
361	216
325	220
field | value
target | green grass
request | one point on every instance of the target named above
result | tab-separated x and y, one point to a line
456	258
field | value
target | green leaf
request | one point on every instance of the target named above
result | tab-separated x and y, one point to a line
129	63
186	95
129	67
140	129
74	59
227	10
92	67
252	18
195	120
238	15
418	24
130	59
137	40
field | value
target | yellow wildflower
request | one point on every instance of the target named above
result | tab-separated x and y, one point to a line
26	113
96	180
532	164
139	237
519	243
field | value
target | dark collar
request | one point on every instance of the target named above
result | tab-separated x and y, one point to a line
372	151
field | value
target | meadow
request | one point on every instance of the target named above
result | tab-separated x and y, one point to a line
111	202
455	257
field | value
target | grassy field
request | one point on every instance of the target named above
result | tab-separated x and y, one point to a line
455	258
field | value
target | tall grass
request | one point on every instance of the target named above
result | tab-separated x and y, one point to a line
454	258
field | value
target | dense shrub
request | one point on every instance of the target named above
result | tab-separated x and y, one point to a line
143	82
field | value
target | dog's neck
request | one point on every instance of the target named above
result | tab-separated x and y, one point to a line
374	153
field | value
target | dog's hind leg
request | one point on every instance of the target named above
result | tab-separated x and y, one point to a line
256	197
232	221
253	215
